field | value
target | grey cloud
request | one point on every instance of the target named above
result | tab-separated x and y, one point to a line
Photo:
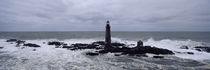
90	15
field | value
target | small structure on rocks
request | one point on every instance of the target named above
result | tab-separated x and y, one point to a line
122	48
139	43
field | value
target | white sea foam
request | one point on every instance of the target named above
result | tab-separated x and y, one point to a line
46	54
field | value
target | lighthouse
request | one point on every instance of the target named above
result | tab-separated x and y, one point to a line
108	36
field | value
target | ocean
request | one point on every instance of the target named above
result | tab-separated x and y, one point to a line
50	58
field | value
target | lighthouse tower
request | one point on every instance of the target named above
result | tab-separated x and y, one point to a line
108	36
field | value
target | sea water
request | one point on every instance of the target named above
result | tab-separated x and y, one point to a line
50	58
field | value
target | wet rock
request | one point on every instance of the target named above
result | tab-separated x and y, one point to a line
203	48
67	47
31	45
131	45
12	40
116	54
34	49
119	48
91	46
139	43
79	46
84	46
190	53
99	43
55	43
138	50
20	42
198	49
158	56
141	55
117	44
92	54
64	44
184	47
72	49
1	47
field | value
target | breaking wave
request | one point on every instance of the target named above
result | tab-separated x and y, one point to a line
48	57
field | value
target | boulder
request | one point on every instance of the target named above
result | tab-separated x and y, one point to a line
190	53
139	43
99	43
31	45
203	48
138	50
158	56
55	43
12	40
141	55
92	53
67	47
117	44
1	47
20	41
116	54
153	50
79	46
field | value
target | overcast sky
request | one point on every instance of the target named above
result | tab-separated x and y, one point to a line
91	15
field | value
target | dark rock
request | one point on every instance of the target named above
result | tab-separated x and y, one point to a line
158	56
79	46
138	50
31	45
20	41
141	55
92	54
131	45
198	49
1	47
93	47
67	47
117	44
55	43
184	47
84	46
139	43
99	43
64	44
190	53
118	48
203	48
34	49
12	40
116	54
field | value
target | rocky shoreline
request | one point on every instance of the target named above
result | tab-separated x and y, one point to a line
100	48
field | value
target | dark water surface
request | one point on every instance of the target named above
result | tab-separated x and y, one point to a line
195	36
